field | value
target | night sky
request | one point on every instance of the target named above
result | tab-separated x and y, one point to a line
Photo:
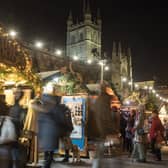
141	26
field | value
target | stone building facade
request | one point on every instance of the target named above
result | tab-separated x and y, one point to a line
84	37
84	41
121	67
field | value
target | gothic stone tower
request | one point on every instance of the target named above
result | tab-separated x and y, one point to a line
121	66
84	38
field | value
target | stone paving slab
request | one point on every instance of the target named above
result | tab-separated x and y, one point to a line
117	162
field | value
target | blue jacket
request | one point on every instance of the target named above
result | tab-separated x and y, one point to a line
48	134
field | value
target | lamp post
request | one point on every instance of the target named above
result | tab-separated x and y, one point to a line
102	63
58	52
102	72
39	44
13	33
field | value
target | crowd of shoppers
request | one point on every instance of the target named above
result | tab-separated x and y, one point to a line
46	121
140	133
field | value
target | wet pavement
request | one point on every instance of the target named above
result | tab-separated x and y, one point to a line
122	161
115	162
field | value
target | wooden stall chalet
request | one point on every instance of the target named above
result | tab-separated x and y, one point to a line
15	67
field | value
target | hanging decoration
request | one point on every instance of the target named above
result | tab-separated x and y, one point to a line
15	62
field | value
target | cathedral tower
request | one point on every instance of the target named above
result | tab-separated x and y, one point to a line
121	67
84	38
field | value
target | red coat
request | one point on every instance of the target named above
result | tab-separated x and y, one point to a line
155	127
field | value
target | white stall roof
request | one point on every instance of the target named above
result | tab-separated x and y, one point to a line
47	74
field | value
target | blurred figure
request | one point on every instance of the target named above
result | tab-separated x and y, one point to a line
123	125
30	126
7	135
166	130
17	113
146	132
4	108
54	122
103	120
115	120
66	128
156	135
49	130
139	140
129	134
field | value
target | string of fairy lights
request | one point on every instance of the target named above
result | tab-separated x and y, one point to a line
23	65
148	88
58	52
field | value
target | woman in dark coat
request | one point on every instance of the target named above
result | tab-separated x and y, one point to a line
156	130
49	130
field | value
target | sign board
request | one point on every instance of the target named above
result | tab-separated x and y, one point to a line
77	105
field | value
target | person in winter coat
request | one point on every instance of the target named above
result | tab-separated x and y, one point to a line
103	122
30	126
49	130
52	125
139	139
156	135
16	112
123	125
129	134
7	136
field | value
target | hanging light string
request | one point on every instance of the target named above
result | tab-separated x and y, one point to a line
39	45
150	89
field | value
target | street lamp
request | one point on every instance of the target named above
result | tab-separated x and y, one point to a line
12	33
136	86
39	44
75	58
106	68
102	64
58	52
124	79
89	61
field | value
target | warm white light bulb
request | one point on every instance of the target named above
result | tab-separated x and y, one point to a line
39	44
124	79
75	58
106	68
58	52
13	33
89	61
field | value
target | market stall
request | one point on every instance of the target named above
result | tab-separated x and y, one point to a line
16	71
15	68
79	99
